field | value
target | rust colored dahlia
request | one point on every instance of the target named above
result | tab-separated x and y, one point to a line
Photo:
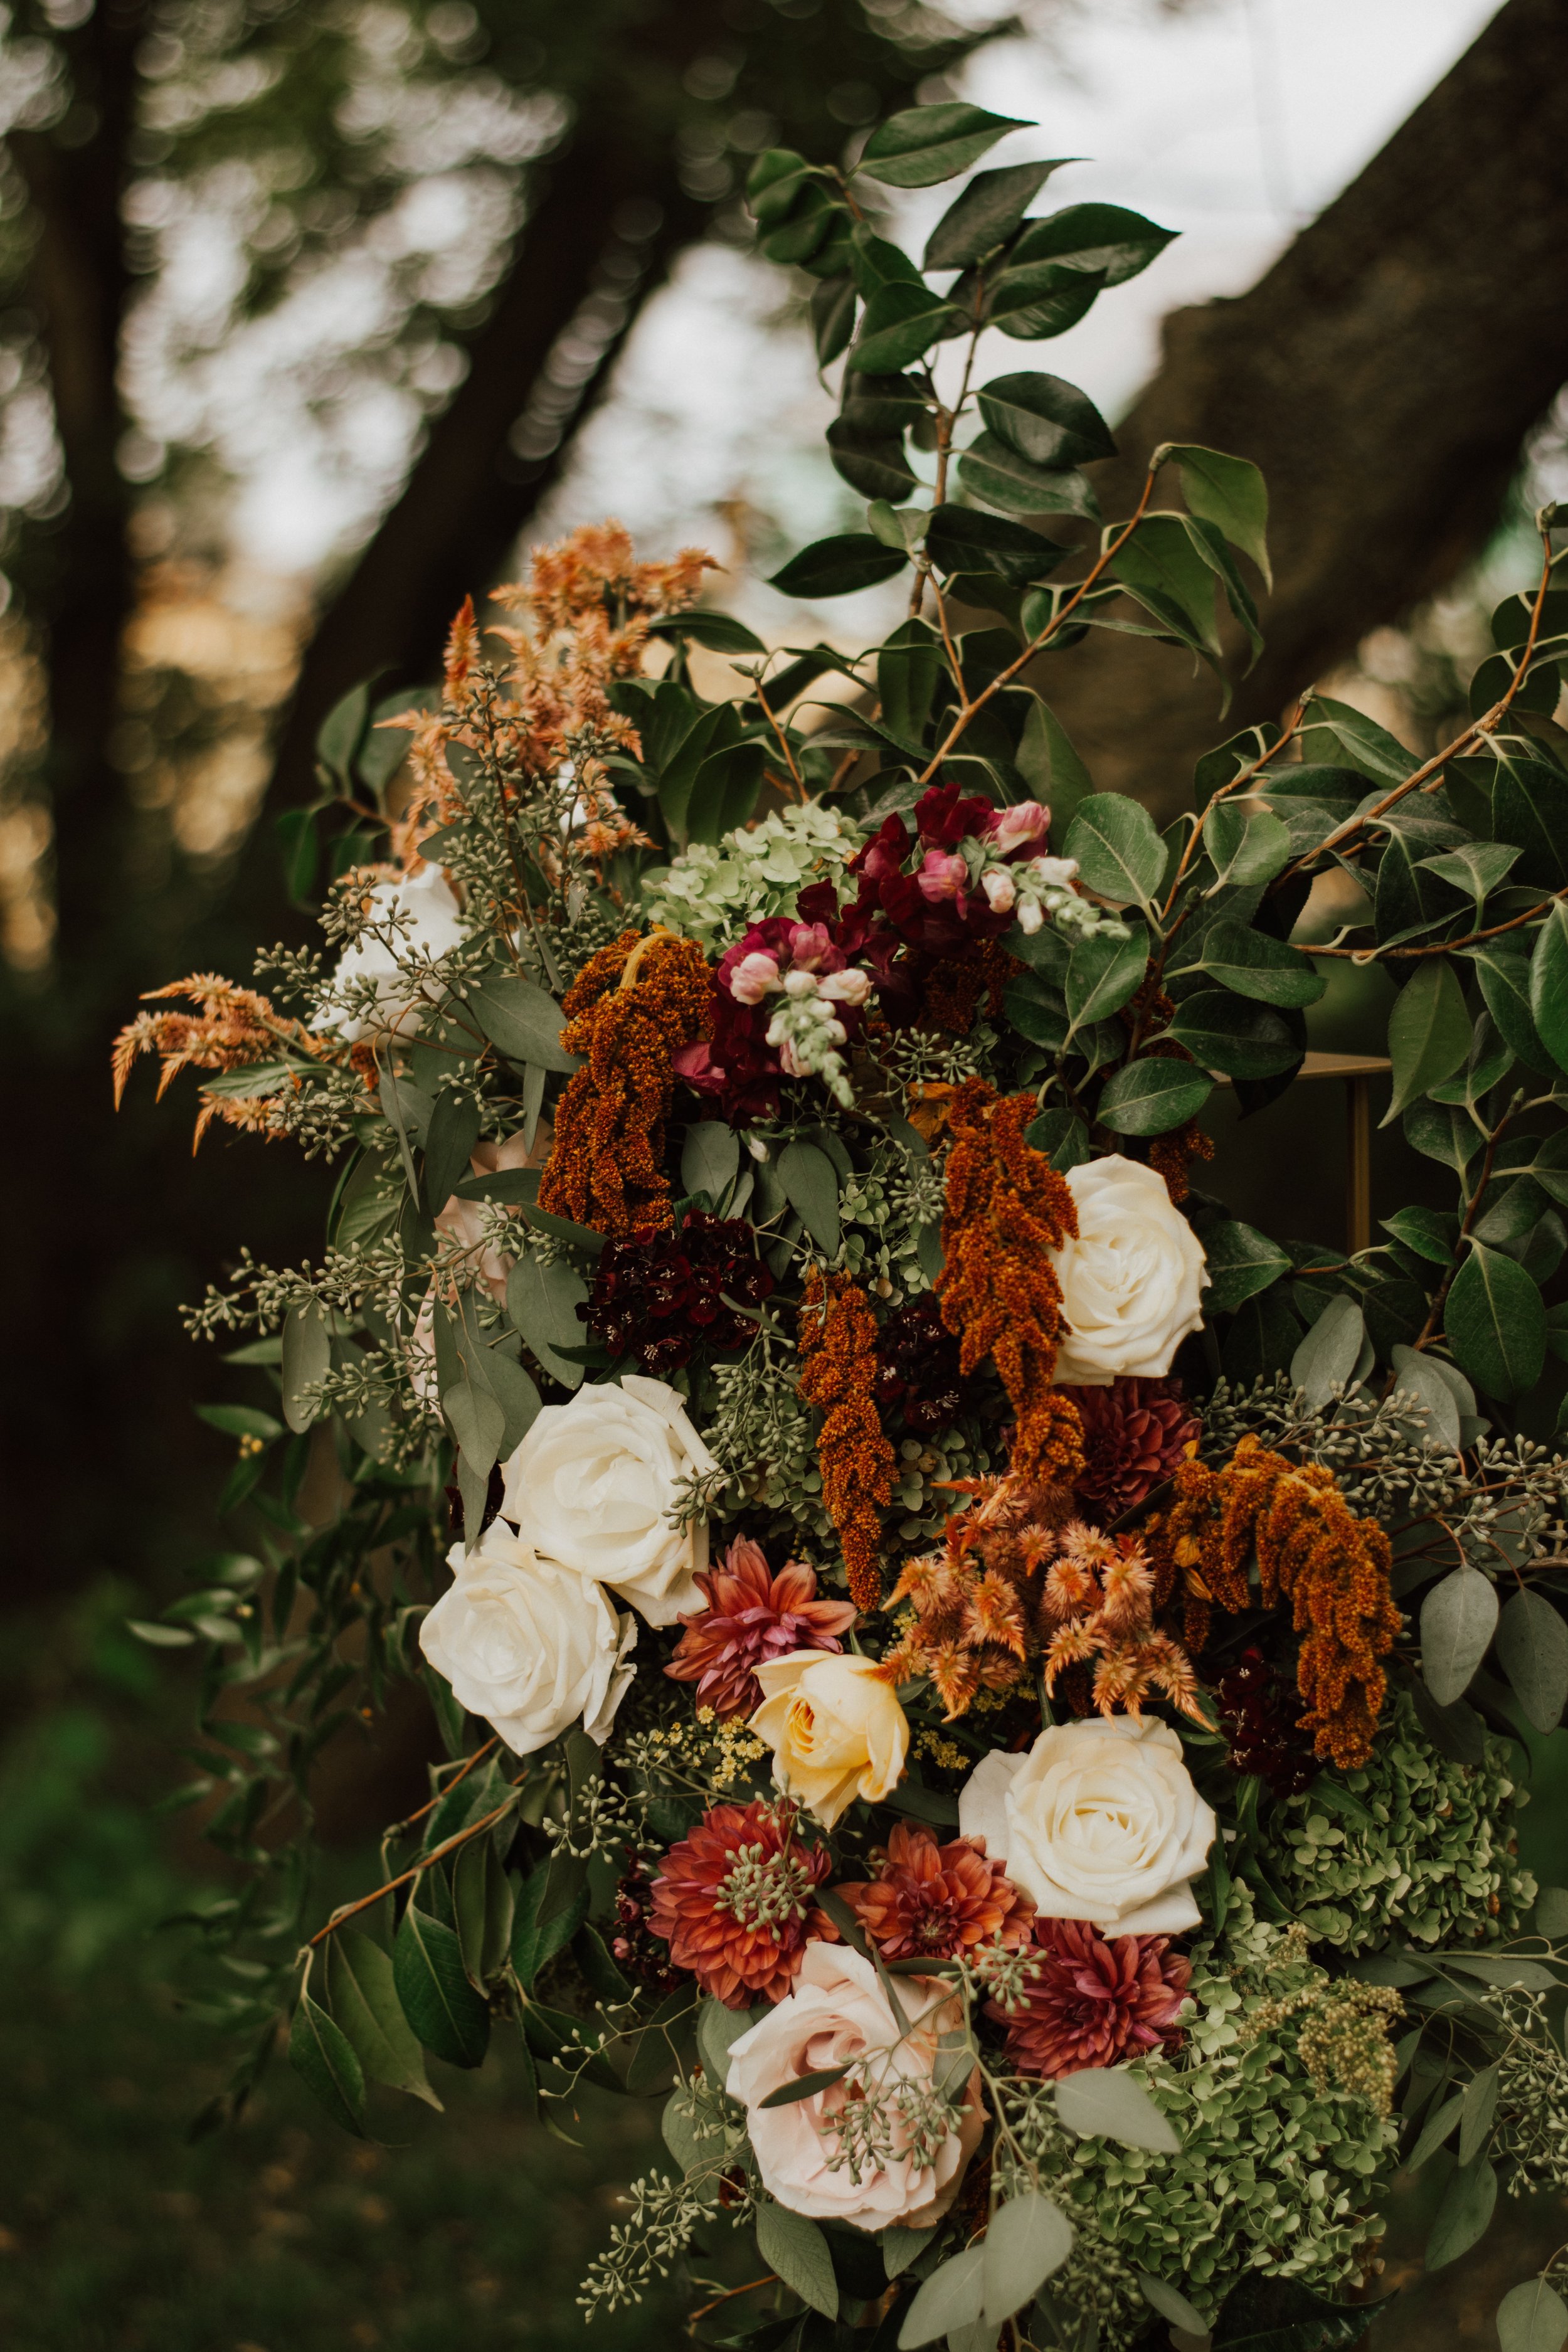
734	1901
930	1901
1134	1433
1093	2003
751	1614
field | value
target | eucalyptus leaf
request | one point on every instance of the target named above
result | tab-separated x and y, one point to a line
1109	2102
1027	2239
1532	1646
541	1300
479	1424
1458	1618
796	2248
1327	1358
1462	2216
1477	2110
307	1361
1419	1376
522	1019
810	1187
1170	2303
1533	2318
953	2297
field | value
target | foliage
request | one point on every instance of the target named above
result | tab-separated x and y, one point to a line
978	981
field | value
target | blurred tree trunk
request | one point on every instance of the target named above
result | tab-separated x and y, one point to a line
1384	375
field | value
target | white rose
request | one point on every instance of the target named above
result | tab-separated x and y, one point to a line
1130	1282
528	1646
593	1486
427	924
1099	1822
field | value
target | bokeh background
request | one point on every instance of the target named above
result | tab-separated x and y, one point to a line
316	314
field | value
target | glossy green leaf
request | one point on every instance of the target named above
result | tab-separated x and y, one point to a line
440	2004
1254	964
875	464
482	1905
1242	1262
832	317
1504	970
838	566
1150	1097
364	2001
1428	1032
925	144
1530	806
550	1907
992	469
773	184
810	1187
1047	420
1234	1036
1549	985
1229	493
1247	847
1458	1618
1164	570
1496	1324
1027	2239
967	539
1264	2314
1103	239
1478	866
522	1019
989	208
720	632
900	323
1121	857
1103	973
796	2249
322	2055
1532	1646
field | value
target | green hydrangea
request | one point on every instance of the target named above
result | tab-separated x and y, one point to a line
1430	1852
715	894
1274	2174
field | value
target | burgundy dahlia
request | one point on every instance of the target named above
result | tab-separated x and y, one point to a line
660	1297
1259	1708
917	1368
1094	2001
1134	1433
735	1901
751	1614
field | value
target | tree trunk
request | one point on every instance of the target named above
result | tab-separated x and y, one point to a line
1384	375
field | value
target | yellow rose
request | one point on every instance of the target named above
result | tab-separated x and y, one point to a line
835	1729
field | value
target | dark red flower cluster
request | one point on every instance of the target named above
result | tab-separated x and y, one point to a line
1259	1708
659	1296
1093	2001
917	889
809	952
639	1952
1134	1433
917	1360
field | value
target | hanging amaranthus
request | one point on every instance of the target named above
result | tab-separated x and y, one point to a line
629	1009
233	1029
1007	1210
1312	1552
837	1336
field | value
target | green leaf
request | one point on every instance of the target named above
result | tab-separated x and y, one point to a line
540	1930
482	1903
928	143
562	1229
323	2057
1162	567
773	184
300	845
1530	806
709	1158
1102	974
1478	2108
992	469
1281	2315
449	1141
901	2247
1150	1097
1533	1646
1462	2216
1099	240
1247	849
986	215
1458	1618
1044	298
1170	2303
875	464
720	633
1478	866
838	566
1047	420
440	2004
1495	1323
832	317
1549	985
1441	2126
364	2001
1504	972
1241	1262
1029	2238
1254	964
810	1187
1338	735
1062	1137
1422	1377
523	1021
900	321
806	2086
1533	2318
1234	1036
307	1361
479	1424
1109	2103
1121	857
798	2250
1229	493
1500	1968
240	1420
966	539
1429	1032
342	731
953	2297
1327	1356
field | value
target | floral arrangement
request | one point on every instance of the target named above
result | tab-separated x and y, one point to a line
997	1692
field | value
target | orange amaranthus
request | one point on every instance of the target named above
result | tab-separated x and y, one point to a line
1314	1551
838	1334
629	1009
1020	1584
1007	1210
232	1029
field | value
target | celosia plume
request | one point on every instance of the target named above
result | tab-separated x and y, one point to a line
838	1374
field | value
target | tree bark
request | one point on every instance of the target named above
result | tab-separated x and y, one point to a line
1384	375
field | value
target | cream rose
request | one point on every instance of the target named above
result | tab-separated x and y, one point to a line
835	1729
1099	1822
836	2015
1131	1281
593	1483
528	1646
413	922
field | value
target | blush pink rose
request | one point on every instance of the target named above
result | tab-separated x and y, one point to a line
837	2012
